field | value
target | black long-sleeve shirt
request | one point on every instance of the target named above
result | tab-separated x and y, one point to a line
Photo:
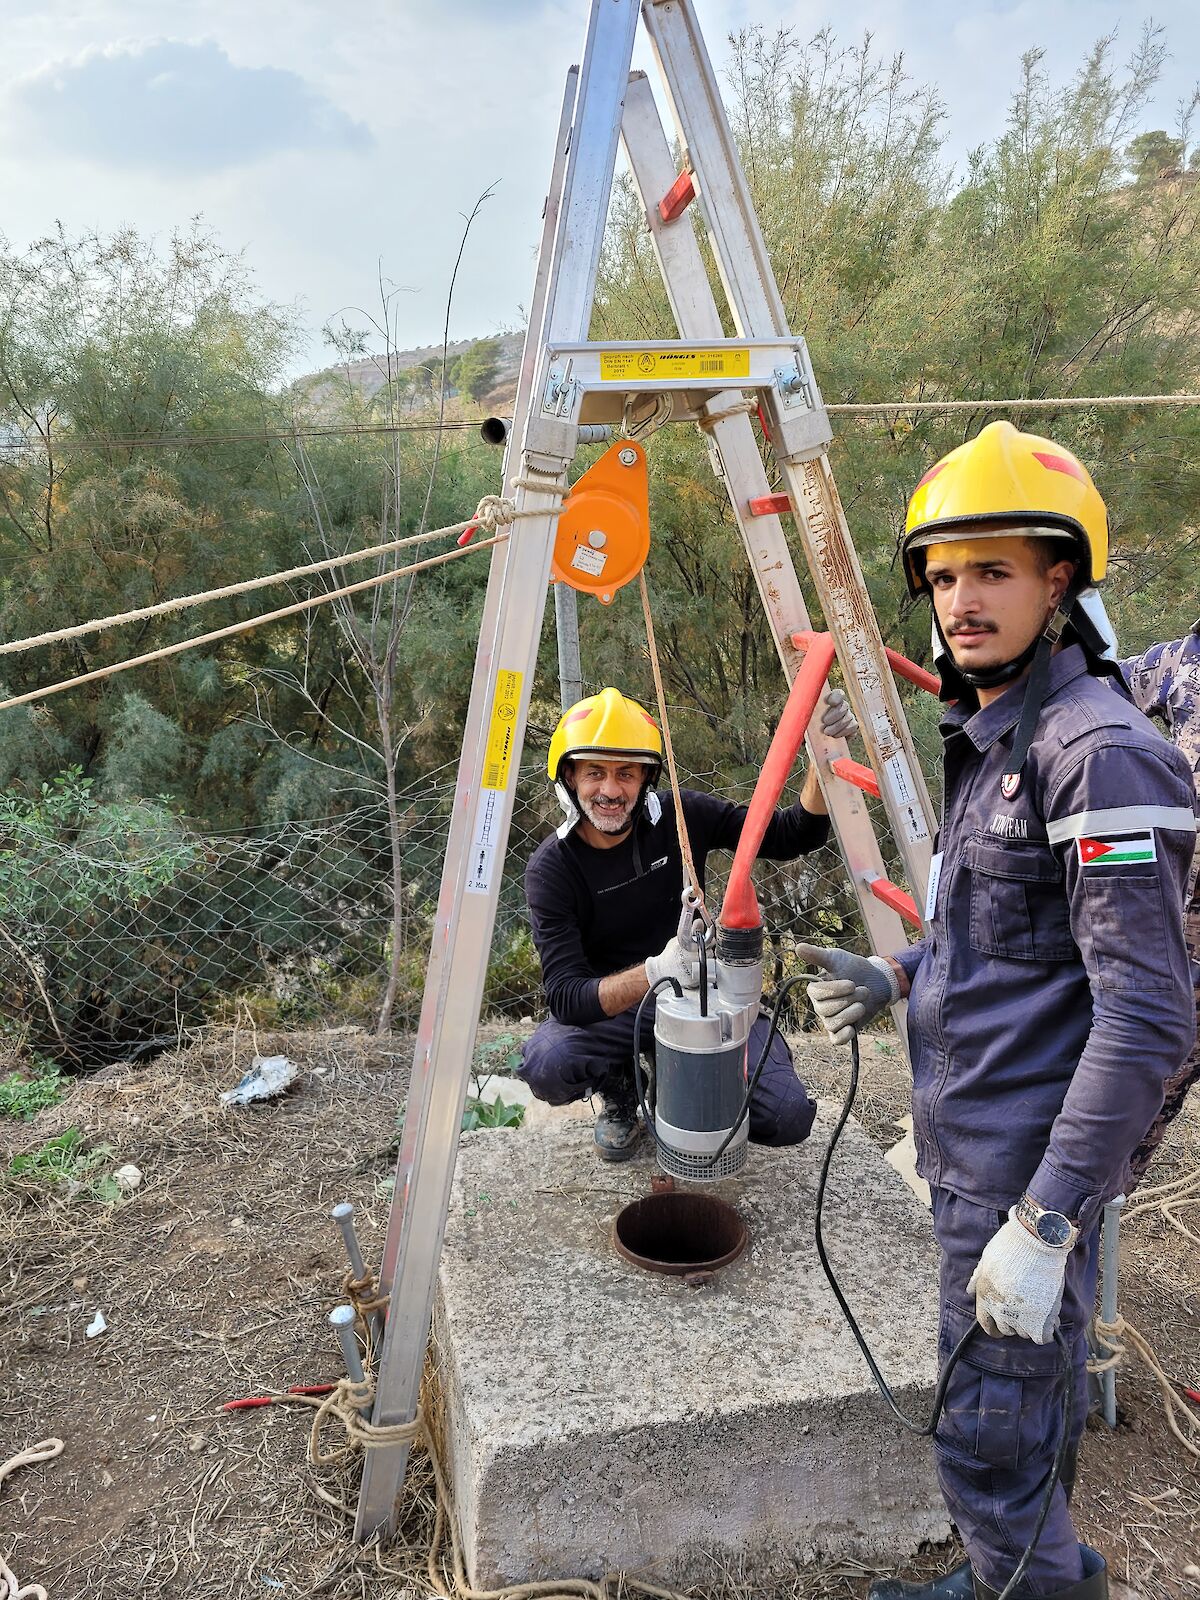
596	912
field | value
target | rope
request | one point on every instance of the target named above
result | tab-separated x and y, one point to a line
491	513
1123	1339
1060	403
344	1406
1168	1199
44	1450
178	441
685	843
244	627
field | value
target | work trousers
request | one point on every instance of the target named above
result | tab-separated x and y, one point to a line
561	1064
1180	1081
1004	1411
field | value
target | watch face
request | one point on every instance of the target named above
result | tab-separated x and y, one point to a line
1054	1229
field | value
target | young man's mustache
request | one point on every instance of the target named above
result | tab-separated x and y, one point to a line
971	627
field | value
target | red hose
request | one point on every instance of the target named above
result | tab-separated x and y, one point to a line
740	907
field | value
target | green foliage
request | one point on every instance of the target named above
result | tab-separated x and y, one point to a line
475	370
66	1163
24	1096
495	1113
1155	155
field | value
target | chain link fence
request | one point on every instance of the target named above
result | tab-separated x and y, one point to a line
112	944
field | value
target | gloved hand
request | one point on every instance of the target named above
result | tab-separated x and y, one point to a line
674	962
857	989
1018	1284
837	719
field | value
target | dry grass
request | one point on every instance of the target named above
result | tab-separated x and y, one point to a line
215	1279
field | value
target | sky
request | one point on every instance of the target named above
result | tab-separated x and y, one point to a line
333	143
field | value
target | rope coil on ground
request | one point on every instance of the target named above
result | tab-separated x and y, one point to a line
1168	1199
10	1586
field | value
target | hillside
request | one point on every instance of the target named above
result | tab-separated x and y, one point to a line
412	369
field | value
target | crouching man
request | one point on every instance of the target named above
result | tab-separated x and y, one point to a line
604	896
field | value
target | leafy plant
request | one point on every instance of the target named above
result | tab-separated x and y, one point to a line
65	1163
24	1097
495	1113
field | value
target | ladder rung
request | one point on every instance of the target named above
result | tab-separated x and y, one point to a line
900	901
677	198
900	665
904	668
854	772
770	505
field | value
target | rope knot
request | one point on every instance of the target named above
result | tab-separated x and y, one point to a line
493	512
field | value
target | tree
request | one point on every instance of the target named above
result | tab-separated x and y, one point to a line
475	370
1154	155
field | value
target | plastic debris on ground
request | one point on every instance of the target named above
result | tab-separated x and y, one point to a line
268	1076
97	1326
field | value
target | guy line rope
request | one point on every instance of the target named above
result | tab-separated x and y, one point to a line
491	513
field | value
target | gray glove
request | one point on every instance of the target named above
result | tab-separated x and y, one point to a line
857	990
674	962
1018	1284
837	719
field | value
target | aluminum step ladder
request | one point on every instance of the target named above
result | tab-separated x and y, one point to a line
566	382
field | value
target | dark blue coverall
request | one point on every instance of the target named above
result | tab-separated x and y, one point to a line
1050	1003
595	912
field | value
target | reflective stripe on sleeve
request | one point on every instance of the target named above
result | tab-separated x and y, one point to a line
1121	819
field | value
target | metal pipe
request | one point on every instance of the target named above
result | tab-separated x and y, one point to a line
343	1215
342	1320
1110	1239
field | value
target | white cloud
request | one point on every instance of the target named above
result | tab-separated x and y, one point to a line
174	108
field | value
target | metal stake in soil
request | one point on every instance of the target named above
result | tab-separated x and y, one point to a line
342	1320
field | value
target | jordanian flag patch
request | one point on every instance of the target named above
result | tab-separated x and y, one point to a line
1115	849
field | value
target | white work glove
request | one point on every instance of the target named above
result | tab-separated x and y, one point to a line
1018	1284
858	989
837	719
674	962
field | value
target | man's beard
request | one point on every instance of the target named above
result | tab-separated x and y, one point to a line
608	819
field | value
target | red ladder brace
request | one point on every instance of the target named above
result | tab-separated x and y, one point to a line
863	778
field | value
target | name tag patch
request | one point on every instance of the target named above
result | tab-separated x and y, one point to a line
1115	849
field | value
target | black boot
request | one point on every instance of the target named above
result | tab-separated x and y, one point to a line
955	1585
1092	1586
618	1128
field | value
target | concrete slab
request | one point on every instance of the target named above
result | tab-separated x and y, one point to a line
600	1417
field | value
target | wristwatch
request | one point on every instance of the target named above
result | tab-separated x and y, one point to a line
1050	1227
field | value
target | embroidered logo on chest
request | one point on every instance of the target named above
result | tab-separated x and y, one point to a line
1010	827
1010	785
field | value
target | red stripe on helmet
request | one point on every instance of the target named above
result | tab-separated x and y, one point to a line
580	714
932	473
1060	464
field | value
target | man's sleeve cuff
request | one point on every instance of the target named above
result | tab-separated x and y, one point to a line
1080	1202
910	958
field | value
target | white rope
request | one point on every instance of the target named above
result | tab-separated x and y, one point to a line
1059	403
492	512
44	1450
1123	1339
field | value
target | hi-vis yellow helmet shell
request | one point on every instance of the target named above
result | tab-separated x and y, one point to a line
1020	481
609	725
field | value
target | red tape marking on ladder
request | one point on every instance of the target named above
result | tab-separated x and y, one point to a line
677	198
893	895
769	505
854	772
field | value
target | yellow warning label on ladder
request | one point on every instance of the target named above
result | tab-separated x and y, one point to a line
500	732
624	366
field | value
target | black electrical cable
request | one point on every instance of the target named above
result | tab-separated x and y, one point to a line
927	1429
637	1056
699	938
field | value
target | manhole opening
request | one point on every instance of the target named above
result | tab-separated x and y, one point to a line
680	1233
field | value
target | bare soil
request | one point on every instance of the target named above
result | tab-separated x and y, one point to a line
215	1278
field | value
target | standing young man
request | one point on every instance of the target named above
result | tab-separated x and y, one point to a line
1051	999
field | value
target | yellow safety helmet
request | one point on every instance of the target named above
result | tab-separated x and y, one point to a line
609	725
1008	477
